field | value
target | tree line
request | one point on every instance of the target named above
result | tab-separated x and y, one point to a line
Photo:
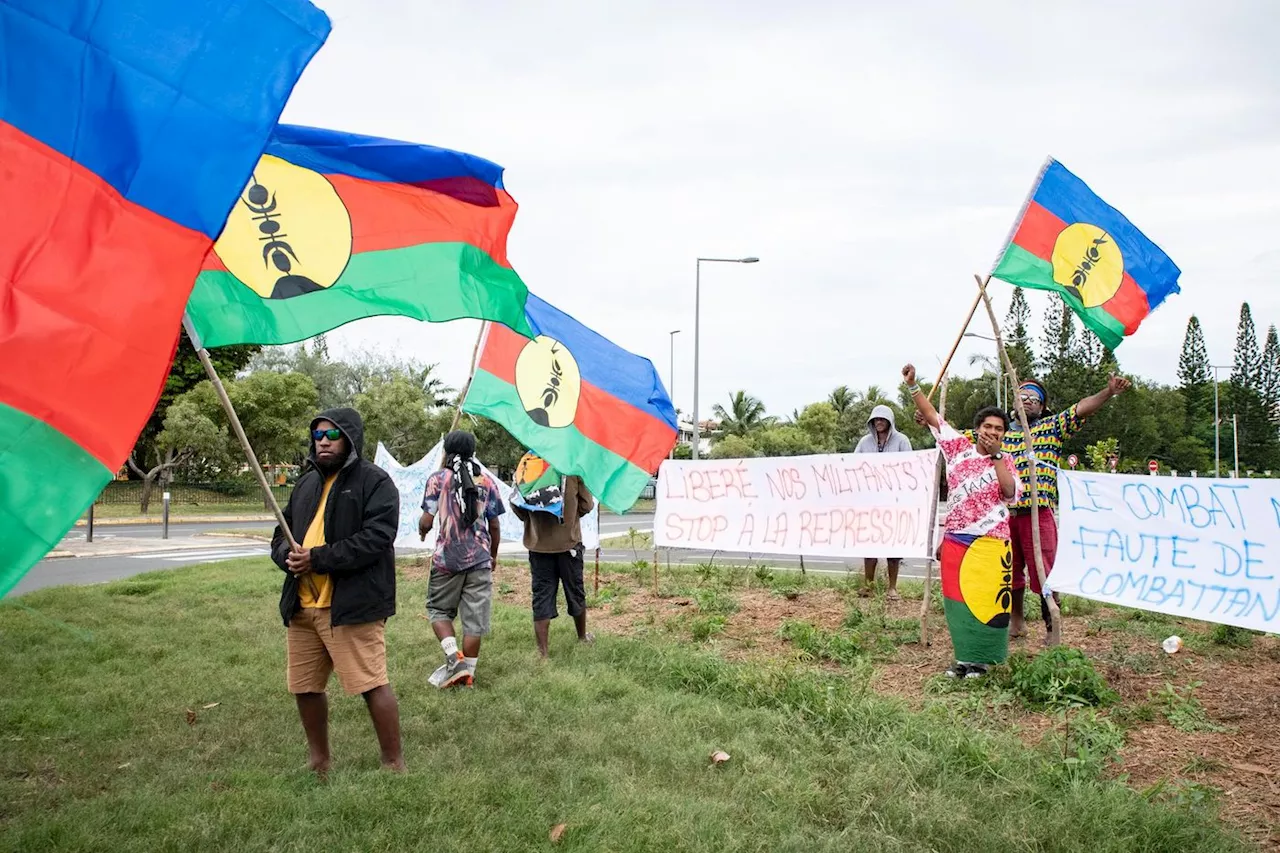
276	391
407	406
1173	424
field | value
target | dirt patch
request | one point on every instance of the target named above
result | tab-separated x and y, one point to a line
1239	688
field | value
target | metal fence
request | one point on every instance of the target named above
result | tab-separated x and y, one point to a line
190	494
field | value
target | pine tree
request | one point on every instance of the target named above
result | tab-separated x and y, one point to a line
1245	371
1017	335
1015	322
1259	443
1058	338
1195	378
1089	350
1193	366
1270	373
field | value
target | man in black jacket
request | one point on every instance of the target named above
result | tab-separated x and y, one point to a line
340	583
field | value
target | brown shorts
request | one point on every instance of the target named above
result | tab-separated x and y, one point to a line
315	649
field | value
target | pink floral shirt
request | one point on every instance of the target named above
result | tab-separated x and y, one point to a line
975	506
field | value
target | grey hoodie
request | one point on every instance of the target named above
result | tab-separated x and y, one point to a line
895	442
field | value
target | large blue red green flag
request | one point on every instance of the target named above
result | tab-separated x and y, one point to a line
127	128
333	227
1070	241
582	403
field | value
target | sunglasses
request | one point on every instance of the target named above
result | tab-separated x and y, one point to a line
332	434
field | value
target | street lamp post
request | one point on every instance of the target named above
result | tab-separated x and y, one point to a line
697	333
1235	444
1217	453
671	388
999	366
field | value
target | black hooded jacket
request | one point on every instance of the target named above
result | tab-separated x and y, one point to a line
360	522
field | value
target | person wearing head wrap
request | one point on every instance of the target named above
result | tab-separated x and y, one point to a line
1049	432
466	503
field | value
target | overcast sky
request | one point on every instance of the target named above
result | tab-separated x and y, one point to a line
873	155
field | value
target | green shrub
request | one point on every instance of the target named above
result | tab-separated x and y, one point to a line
714	601
703	627
1061	677
1184	711
1087	742
819	644
1231	636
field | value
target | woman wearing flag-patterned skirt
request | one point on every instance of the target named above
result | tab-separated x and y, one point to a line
976	560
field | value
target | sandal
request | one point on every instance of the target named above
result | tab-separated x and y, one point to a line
893	595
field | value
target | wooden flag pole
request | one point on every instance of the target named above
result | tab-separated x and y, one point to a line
933	529
1055	613
982	290
462	395
234	420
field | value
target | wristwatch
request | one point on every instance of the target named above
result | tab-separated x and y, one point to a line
999	454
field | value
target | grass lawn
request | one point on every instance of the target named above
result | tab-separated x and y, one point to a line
641	542
156	510
640	506
110	740
246	532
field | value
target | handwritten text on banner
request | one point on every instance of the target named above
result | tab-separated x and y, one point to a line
1201	548
838	505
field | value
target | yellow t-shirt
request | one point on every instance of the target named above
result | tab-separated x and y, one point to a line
315	537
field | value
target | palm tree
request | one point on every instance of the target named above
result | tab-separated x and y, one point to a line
842	399
744	415
438	392
874	395
993	371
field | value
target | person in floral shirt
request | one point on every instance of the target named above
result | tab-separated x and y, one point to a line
975	555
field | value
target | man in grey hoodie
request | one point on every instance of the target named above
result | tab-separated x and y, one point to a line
882	437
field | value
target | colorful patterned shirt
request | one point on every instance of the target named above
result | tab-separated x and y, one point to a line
1047	437
975	505
458	548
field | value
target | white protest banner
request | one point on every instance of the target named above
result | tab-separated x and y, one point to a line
411	480
1201	548
838	505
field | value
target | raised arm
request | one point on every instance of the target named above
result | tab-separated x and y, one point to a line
1116	385
923	405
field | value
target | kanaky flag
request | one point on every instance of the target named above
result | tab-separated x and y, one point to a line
333	226
127	129
579	401
1068	240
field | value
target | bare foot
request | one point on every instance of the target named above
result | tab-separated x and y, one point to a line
320	767
396	766
1017	628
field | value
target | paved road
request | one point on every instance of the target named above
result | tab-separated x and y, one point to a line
86	570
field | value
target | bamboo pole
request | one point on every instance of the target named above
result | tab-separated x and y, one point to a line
462	395
249	455
955	346
1055	613
933	528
